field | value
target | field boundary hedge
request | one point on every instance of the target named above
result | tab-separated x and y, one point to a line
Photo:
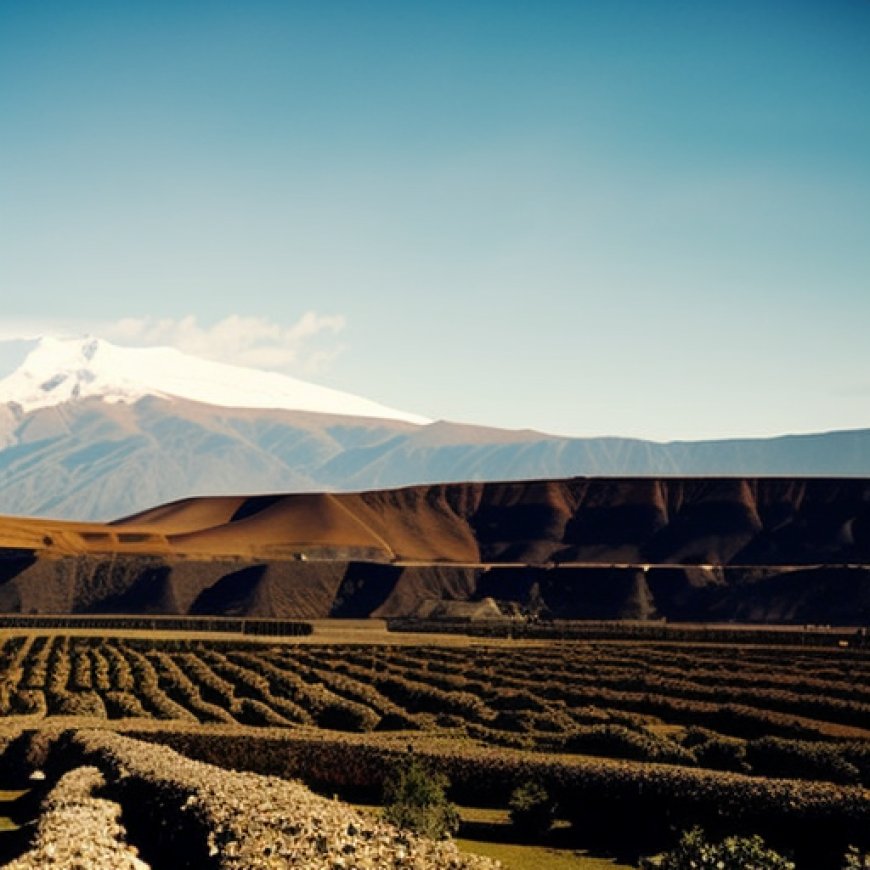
599	794
185	814
228	625
580	629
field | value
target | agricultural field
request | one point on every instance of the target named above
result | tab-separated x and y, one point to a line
707	706
746	736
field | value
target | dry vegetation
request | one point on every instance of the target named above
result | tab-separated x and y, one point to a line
747	738
131	805
703	706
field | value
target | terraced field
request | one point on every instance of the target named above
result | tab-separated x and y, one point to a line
765	710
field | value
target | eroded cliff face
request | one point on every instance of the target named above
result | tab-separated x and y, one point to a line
676	521
760	521
769	549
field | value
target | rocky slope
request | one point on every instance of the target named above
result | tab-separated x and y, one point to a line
752	549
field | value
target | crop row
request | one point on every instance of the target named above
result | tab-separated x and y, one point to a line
846	701
548	699
615	799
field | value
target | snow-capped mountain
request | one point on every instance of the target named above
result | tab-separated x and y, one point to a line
93	431
61	370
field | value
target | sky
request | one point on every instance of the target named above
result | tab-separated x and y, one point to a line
646	219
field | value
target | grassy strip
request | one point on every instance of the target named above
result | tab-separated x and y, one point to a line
517	857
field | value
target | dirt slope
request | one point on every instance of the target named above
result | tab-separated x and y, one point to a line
697	548
753	521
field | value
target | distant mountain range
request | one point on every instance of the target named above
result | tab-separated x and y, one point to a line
89	430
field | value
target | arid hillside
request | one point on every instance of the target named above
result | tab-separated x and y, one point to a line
696	548
719	521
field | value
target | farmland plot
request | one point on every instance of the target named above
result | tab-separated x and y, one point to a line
764	710
635	740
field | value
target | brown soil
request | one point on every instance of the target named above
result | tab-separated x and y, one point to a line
692	548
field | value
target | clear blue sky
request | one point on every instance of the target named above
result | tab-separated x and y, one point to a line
638	218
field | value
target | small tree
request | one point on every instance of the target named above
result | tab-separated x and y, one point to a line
532	809
415	799
694	852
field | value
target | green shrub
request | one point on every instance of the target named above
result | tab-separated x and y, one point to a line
694	852
532	809
415	799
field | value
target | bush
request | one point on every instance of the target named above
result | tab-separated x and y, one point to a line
415	799
532	809
715	751
856	860
617	741
800	759
694	852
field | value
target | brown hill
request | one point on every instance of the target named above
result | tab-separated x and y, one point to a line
719	521
701	548
60	538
